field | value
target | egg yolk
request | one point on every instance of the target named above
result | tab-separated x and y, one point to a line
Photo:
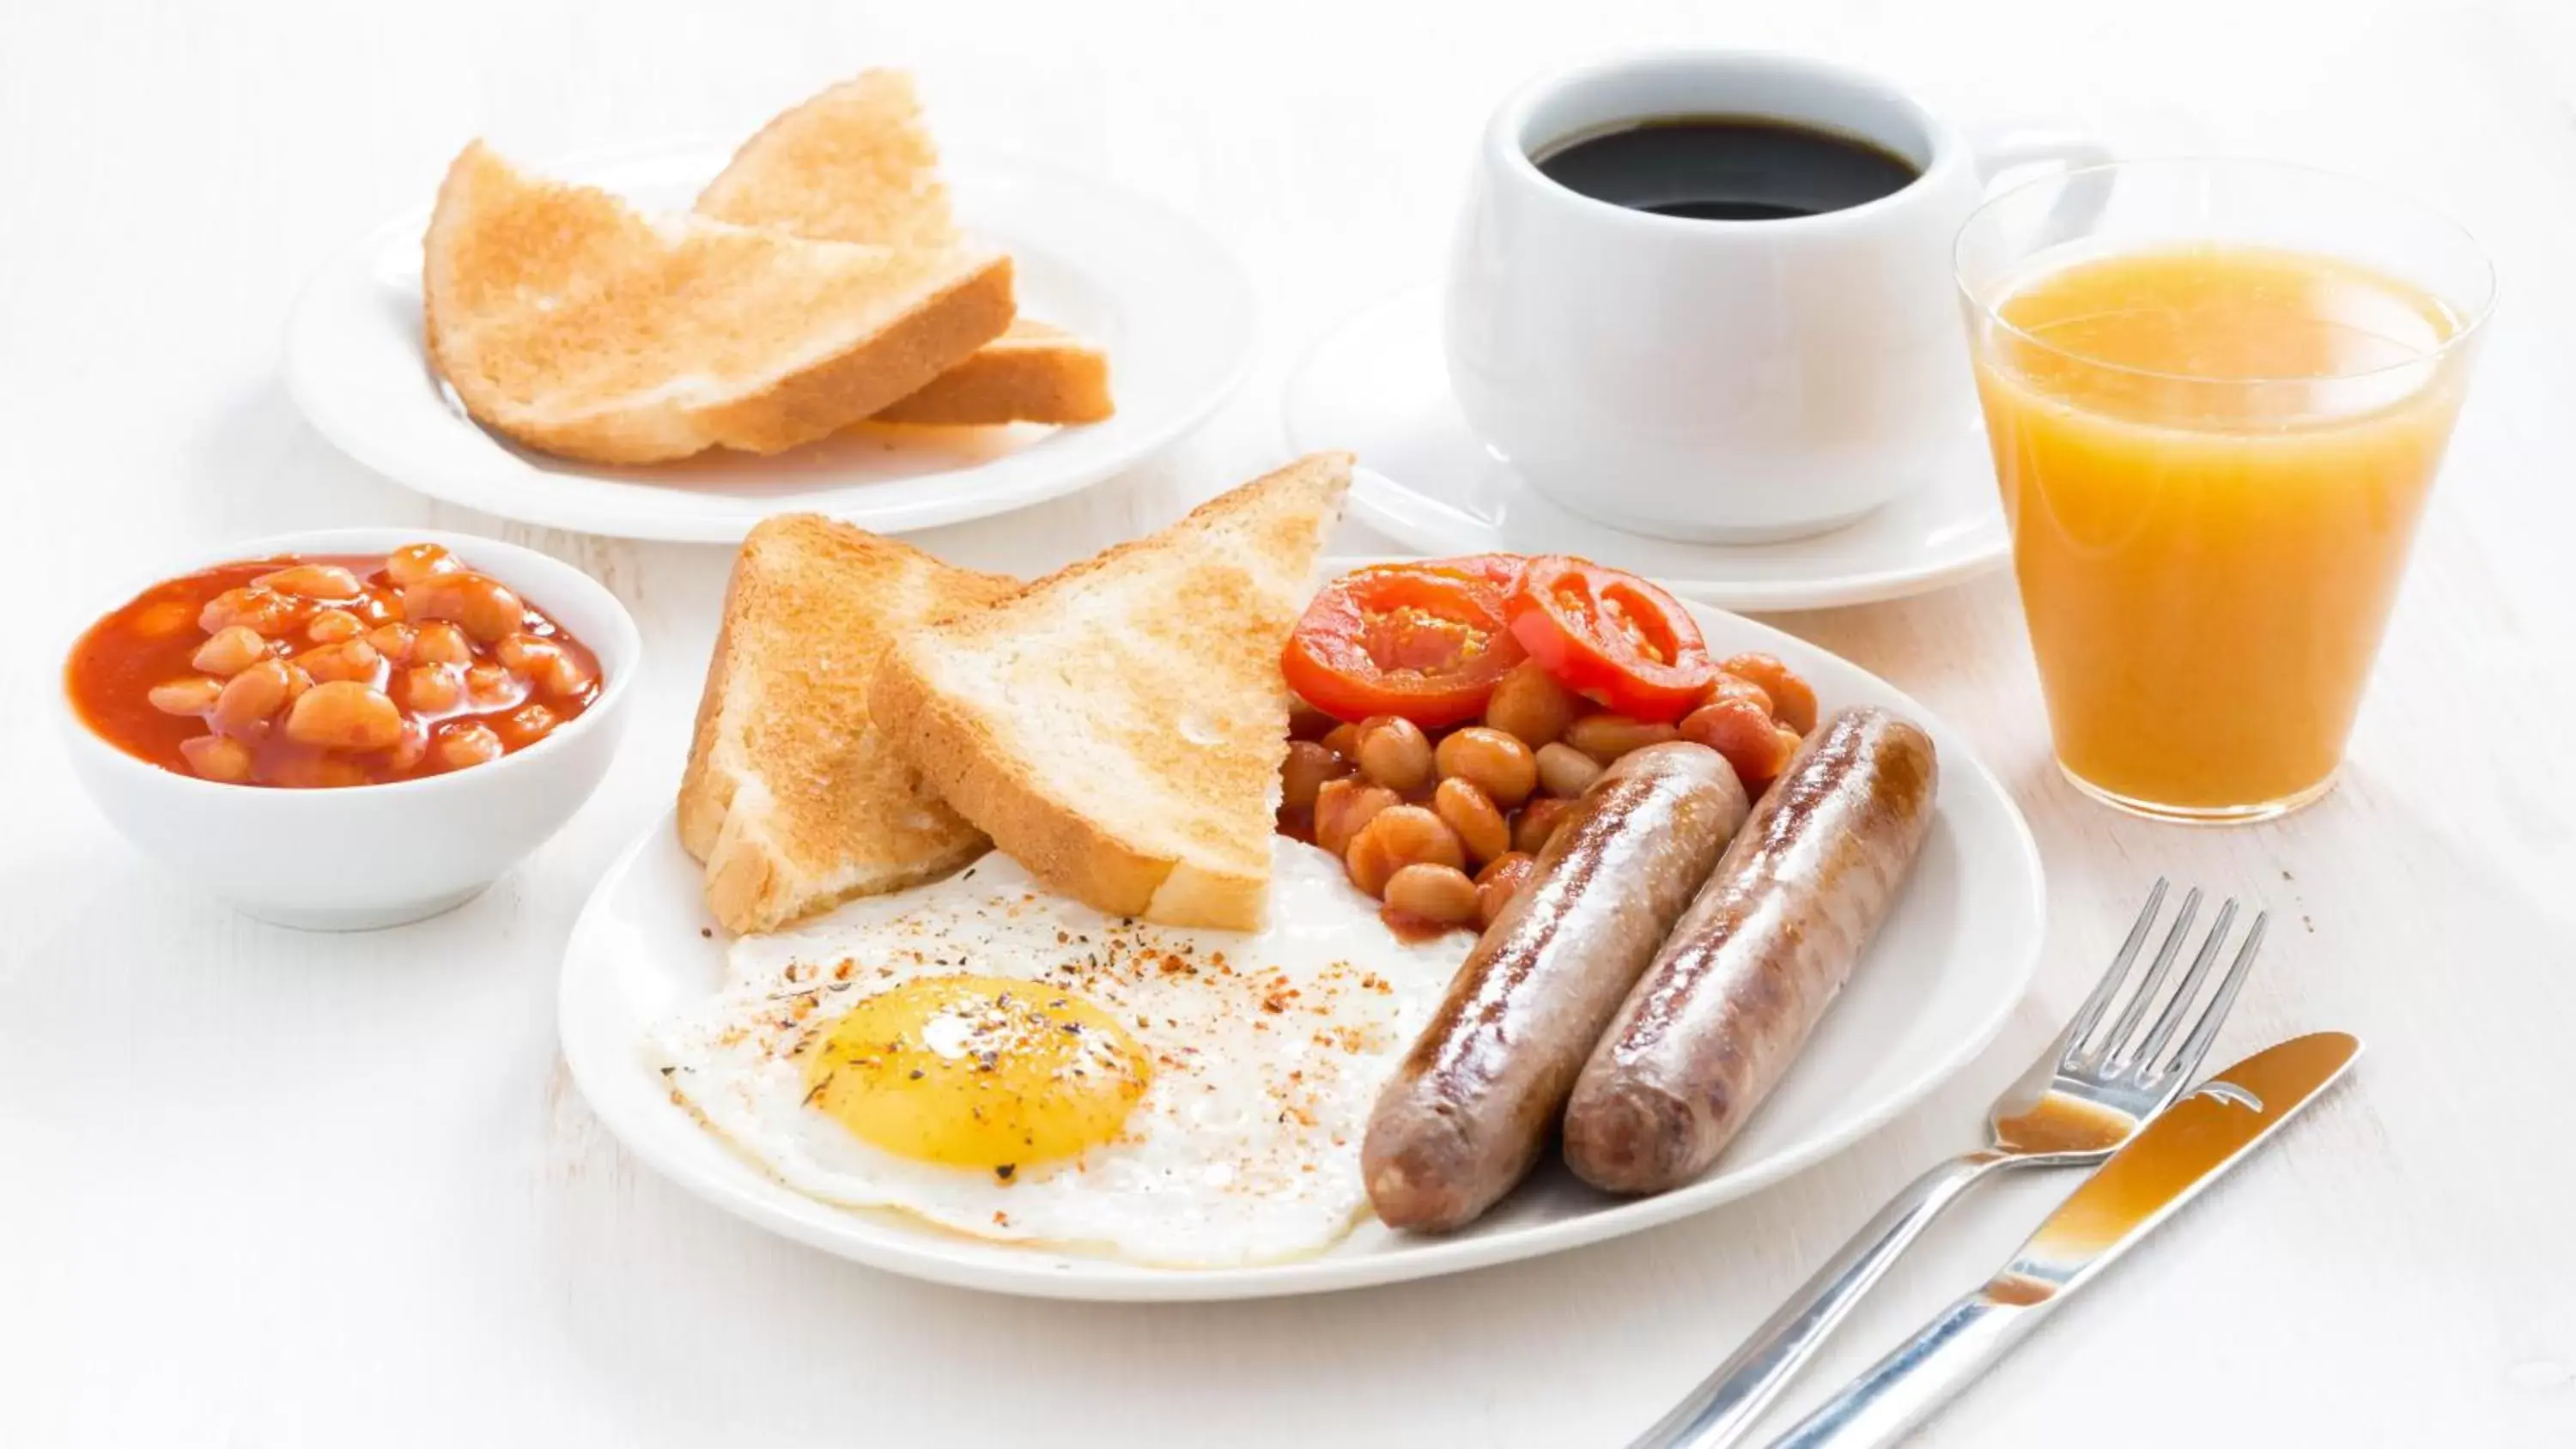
978	1071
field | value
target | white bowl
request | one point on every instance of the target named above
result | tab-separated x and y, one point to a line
358	857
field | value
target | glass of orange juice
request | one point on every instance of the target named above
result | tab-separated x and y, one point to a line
2217	393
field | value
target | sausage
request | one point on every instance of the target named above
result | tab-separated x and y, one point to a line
1472	1104
1750	969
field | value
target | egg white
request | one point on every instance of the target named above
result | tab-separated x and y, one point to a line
1268	1050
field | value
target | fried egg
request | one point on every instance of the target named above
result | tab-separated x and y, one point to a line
1007	1063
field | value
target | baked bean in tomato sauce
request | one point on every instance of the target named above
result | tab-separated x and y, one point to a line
328	670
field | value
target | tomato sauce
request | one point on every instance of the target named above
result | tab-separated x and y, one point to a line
136	675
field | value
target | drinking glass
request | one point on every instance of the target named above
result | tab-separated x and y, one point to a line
2217	393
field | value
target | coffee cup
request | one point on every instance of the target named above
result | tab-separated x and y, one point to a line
1689	362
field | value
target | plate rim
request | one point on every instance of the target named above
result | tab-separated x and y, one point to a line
1240	318
1733	595
1118	1282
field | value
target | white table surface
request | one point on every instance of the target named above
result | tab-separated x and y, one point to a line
263	1189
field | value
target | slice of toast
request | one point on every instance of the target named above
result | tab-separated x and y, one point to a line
1033	373
572	323
1118	727
857	164
792	799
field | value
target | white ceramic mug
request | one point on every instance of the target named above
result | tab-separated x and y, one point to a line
1718	381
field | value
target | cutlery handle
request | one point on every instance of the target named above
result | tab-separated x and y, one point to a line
1902	1389
1726	1402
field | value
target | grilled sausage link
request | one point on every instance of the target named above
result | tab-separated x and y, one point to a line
1472	1104
1731	997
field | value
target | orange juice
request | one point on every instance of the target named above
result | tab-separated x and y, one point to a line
2213	458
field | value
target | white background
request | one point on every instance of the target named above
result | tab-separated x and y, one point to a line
261	1188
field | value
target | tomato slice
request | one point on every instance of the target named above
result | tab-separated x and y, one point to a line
1416	640
1502	570
1611	637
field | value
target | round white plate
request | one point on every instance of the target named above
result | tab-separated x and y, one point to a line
1154	289
1376	384
1952	959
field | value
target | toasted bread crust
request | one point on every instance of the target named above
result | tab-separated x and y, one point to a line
791	798
948	326
1031	374
571	323
1215	870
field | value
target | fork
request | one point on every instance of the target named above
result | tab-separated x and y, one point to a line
2082	1100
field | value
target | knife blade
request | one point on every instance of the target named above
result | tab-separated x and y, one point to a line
2187	1147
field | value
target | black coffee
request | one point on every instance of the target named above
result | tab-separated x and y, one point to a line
1726	168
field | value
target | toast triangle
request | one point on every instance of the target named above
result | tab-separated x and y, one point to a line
572	323
792	799
1118	727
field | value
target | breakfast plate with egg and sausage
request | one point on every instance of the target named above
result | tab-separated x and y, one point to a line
1210	919
830	317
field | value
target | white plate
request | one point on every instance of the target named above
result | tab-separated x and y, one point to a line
1946	969
1376	384
1157	291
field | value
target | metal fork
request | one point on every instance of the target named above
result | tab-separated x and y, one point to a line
2088	1093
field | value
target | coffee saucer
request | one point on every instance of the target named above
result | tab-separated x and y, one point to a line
1376	384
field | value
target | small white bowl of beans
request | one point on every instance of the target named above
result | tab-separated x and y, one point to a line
352	728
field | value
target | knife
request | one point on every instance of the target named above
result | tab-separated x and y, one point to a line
2183	1150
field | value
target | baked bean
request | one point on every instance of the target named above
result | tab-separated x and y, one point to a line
186	696
232	650
489	685
1500	880
465	745
483	606
1395	837
1564	771
1529	705
1736	686
534	720
318	772
411	749
161	620
1539	819
1395	753
311	581
257	610
349	659
1305	722
1494	761
433	688
1605	737
331	626
442	643
250	699
1471	814
394	641
342	714
1793	700
1758	749
215	757
1439	894
417	563
298	680
1304	772
1343	740
1345	805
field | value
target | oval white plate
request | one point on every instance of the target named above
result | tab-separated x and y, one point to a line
1154	289
1376	385
1946	969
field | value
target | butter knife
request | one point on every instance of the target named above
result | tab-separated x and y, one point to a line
2182	1151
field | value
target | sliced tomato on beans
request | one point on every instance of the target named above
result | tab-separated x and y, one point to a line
1611	637
1416	640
